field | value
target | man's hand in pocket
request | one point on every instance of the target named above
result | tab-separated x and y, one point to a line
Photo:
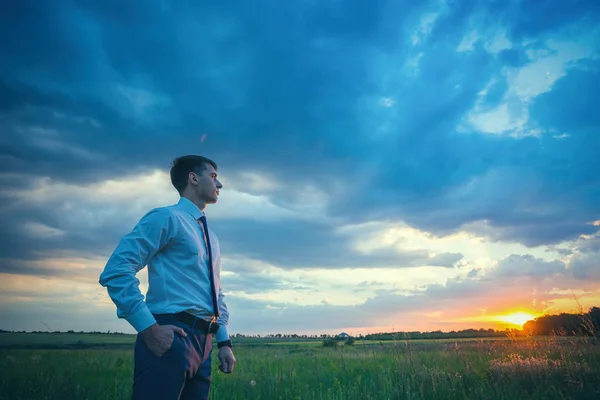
159	338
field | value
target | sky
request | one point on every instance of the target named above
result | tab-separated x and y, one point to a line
387	165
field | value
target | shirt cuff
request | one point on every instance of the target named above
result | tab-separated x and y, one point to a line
141	319
222	334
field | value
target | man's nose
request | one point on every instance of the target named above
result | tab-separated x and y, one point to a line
219	184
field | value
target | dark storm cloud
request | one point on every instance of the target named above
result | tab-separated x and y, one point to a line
191	71
100	89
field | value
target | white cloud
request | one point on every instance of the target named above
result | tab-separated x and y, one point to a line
477	250
425	27
500	119
467	42
498	42
511	115
427	22
494	40
339	286
539	76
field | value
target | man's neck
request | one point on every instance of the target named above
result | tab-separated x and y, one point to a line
201	205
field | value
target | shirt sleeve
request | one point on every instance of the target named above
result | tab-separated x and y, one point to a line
223	320
133	252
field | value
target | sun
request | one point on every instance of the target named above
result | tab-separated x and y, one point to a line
516	318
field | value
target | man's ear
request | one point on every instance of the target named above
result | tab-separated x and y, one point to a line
193	178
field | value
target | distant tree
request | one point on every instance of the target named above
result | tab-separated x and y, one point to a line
565	324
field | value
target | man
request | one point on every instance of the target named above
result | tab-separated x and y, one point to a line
184	304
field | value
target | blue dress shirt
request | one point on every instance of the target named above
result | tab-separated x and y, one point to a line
170	241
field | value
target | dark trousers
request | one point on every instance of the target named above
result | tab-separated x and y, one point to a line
182	373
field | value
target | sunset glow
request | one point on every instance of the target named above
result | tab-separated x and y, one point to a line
516	318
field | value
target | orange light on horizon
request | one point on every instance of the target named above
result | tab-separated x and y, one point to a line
516	318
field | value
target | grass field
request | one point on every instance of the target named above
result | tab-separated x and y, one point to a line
538	368
91	340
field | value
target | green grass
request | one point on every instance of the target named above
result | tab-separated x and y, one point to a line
546	368
62	340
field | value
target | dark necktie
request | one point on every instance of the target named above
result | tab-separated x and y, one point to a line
210	265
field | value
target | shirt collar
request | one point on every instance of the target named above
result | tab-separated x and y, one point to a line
188	206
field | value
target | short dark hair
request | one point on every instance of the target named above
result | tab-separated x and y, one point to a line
182	166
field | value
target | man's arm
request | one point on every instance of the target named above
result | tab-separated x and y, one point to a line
226	356
134	251
223	320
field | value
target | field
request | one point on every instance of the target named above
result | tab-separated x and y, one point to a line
72	366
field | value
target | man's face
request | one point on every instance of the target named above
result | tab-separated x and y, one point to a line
206	185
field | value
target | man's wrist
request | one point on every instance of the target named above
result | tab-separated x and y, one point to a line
149	331
224	343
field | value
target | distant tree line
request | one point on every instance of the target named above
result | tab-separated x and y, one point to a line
464	334
582	324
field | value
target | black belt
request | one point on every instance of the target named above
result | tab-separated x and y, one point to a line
197	323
